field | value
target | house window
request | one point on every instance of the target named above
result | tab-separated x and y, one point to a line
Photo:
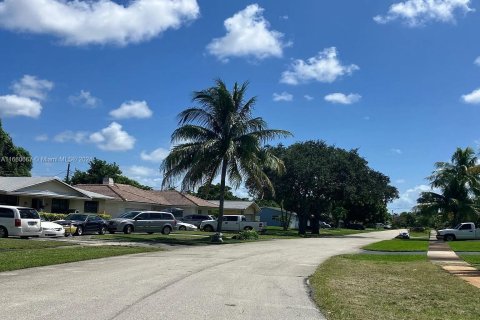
90	207
60	205
8	200
199	211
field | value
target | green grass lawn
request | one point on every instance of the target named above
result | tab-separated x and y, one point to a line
473	259
17	244
420	235
467	245
391	287
398	245
19	254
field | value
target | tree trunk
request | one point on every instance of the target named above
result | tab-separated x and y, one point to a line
218	236
302	224
315	224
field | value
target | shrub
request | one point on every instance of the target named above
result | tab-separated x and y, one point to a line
246	235
105	216
52	216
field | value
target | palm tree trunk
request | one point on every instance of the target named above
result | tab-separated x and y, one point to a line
223	176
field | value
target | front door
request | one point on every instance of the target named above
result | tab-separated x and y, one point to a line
142	222
466	232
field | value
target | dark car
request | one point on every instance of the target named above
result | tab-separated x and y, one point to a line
356	226
84	223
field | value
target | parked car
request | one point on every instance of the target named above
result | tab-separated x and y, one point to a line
19	221
52	229
196	219
80	223
403	235
143	221
233	223
356	226
464	231
183	226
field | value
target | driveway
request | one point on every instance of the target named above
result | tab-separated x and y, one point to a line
260	280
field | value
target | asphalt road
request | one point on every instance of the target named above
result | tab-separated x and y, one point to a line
261	280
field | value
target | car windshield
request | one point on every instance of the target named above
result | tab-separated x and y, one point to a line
458	226
29	214
129	215
80	217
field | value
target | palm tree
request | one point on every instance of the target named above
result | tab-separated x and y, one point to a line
220	136
459	184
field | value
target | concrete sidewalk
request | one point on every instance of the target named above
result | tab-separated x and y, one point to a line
439	252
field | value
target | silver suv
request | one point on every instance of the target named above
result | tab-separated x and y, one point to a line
143	221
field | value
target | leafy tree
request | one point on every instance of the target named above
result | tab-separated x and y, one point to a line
458	182
320	178
220	136
213	193
14	161
100	169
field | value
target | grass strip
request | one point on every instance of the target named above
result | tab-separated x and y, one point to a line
467	245
375	287
398	245
473	259
27	258
9	244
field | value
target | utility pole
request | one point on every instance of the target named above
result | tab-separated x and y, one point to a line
67	179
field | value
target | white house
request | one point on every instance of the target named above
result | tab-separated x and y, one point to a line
49	194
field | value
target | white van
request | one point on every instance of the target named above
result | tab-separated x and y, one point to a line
19	221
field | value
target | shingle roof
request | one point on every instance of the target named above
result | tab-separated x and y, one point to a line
17	184
123	192
177	198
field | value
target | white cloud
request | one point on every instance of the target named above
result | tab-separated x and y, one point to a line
132	109
141	171
284	96
325	67
82	22
408	199
41	138
13	105
341	98
248	34
477	61
418	12
308	97
85	98
396	151
29	91
71	136
156	155
112	138
472	97
32	87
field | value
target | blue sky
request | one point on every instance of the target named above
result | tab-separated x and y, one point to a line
396	79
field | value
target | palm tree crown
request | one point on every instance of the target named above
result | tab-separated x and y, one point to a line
220	137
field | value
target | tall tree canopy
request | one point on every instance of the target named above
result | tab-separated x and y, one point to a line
322	180
100	169
14	161
213	192
220	137
458	185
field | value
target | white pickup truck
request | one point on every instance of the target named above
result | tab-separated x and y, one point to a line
464	231
233	223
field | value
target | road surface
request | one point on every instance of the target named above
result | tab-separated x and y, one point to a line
260	280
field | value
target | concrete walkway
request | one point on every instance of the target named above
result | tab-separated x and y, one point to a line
439	253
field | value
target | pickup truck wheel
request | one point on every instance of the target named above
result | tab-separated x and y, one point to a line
208	228
128	229
449	237
247	228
